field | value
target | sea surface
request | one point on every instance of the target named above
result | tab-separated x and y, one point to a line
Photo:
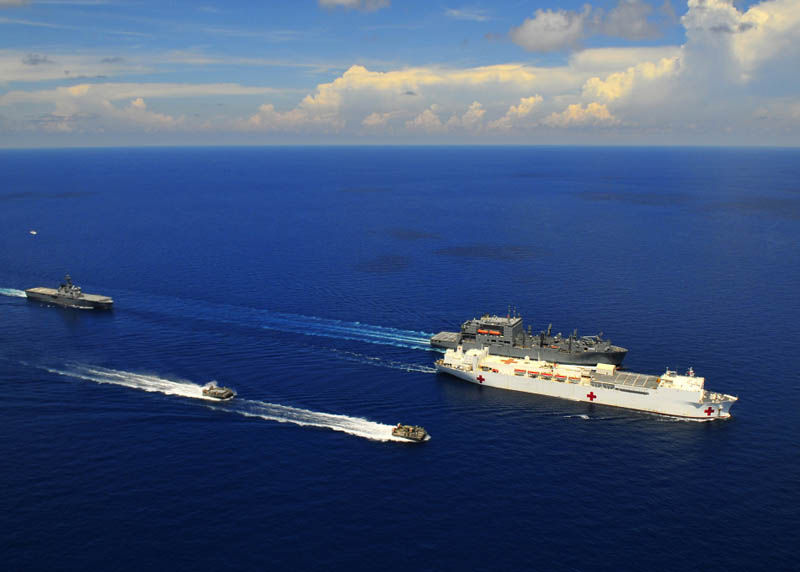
310	279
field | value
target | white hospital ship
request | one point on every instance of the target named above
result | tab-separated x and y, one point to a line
669	394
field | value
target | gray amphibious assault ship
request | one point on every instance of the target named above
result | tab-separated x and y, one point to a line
506	336
70	296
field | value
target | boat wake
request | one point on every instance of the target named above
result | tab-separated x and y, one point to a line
353	331
143	382
249	408
13	292
285	414
381	362
284	322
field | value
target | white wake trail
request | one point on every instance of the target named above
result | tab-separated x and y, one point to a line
306	418
381	362
295	323
13	292
249	408
150	383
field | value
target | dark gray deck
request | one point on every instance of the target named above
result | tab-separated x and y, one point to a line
446	338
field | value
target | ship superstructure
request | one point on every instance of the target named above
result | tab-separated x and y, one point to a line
506	336
668	394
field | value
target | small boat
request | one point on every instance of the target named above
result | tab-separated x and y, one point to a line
33	232
410	432
215	392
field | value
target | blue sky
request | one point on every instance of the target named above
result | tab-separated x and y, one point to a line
84	72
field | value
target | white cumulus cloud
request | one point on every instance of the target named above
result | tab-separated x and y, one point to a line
630	19
621	84
377	120
577	115
550	30
427	121
471	120
737	68
516	113
556	30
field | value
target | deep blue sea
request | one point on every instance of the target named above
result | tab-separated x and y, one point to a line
309	279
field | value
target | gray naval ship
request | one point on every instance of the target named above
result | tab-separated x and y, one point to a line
70	296
506	336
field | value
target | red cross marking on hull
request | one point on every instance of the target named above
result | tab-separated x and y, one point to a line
709	411
591	396
481	378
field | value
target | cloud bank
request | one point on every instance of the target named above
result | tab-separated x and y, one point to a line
558	30
715	83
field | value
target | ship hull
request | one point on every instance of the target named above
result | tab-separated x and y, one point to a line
66	301
661	401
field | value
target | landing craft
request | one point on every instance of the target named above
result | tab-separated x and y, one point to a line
216	392
410	432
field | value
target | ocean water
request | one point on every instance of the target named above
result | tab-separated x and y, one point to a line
309	279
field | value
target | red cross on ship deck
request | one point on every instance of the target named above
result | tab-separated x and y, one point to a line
591	396
708	411
481	378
